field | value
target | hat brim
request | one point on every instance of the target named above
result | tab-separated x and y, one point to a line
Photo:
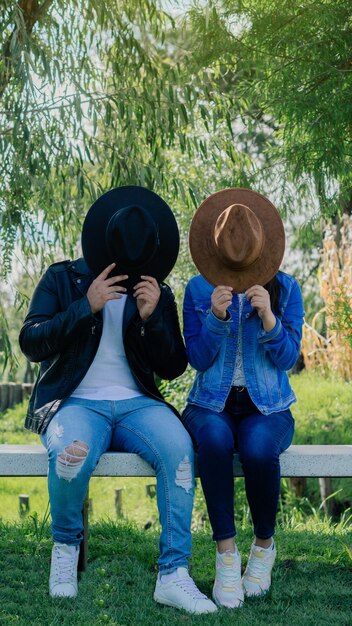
202	251
94	228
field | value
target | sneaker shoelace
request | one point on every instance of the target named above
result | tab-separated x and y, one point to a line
188	585
64	566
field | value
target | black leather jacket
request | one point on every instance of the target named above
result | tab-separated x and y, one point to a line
61	332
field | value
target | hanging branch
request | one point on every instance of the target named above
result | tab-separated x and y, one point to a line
31	12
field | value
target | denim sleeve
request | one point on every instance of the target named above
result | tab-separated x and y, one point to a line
203	337
283	341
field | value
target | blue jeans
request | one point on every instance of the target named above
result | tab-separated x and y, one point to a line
259	440
83	429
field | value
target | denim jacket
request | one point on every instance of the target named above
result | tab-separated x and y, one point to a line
211	346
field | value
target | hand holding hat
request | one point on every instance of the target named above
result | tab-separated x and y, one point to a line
147	293
260	300
105	288
221	299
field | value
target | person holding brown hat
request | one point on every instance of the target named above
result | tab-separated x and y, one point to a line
242	326
101	328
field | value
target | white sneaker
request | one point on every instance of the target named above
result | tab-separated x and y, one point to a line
257	577
181	592
63	572
228	590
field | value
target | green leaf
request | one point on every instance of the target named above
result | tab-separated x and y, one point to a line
183	113
80	184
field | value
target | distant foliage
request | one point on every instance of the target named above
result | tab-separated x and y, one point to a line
331	349
94	95
291	63
253	93
325	416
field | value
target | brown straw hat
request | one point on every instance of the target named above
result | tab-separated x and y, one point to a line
237	238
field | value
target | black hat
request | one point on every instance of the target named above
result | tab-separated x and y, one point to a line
134	228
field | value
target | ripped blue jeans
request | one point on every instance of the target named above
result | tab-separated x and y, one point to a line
83	429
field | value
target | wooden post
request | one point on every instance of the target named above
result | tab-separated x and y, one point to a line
150	490
17	394
118	502
325	486
299	486
29	376
4	397
24	507
83	551
90	506
27	389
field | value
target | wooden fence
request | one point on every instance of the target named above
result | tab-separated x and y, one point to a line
13	393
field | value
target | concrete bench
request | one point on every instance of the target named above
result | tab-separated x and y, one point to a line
301	461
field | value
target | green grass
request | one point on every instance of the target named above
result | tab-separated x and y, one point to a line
312	579
323	411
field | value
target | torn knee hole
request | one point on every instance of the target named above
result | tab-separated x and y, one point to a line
75	452
70	461
184	476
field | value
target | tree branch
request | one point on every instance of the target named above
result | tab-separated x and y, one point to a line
32	12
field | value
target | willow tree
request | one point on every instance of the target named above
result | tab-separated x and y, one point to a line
92	95
292	64
95	94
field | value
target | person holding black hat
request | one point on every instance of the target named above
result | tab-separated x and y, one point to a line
102	327
242	326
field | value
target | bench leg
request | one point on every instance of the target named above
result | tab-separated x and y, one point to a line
83	551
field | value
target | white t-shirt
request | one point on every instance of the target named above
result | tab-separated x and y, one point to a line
109	376
239	379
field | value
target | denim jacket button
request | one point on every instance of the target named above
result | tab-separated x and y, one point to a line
247	314
79	280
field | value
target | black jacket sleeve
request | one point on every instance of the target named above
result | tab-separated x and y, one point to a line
47	329
162	339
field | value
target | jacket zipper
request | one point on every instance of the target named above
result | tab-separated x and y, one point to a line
144	389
